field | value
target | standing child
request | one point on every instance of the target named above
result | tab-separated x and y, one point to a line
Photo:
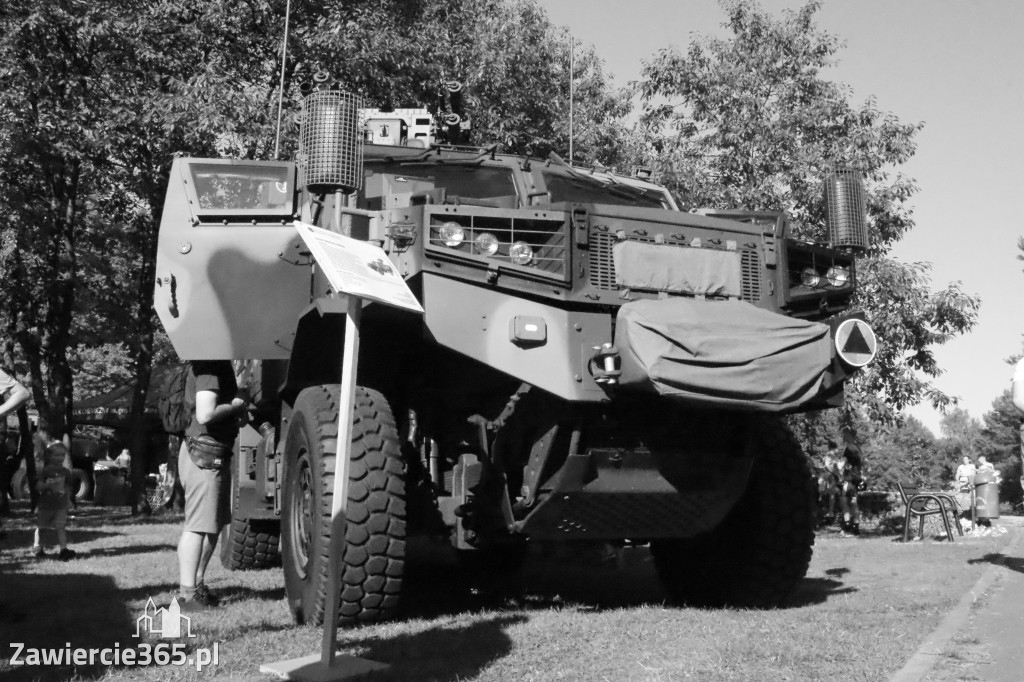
54	486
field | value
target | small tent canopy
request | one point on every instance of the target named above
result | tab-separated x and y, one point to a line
113	408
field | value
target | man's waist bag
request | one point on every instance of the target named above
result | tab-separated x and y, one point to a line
207	452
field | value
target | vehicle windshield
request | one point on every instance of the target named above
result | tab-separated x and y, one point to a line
234	187
565	187
468	181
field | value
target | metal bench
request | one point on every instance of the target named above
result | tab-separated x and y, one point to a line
922	503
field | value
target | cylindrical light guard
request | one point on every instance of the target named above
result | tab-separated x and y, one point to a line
846	209
330	142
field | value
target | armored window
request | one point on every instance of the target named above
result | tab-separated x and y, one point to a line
223	189
578	188
467	181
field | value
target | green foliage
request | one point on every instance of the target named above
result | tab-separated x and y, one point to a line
961	436
750	122
98	97
1000	444
905	453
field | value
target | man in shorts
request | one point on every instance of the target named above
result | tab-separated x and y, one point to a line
219	410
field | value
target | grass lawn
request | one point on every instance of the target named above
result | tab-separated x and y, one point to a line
864	608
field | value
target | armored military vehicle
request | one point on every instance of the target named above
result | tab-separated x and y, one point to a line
593	364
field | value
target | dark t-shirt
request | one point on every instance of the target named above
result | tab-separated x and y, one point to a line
54	484
219	377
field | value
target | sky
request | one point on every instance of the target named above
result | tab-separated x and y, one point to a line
955	65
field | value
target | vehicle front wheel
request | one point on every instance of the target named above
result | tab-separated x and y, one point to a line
762	549
373	556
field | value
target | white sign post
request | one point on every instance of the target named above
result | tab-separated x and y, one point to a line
359	270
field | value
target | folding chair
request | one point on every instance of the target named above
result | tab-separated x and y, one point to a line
922	503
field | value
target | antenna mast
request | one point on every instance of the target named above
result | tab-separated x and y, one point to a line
280	94
572	58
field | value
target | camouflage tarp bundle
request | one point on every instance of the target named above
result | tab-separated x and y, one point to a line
721	353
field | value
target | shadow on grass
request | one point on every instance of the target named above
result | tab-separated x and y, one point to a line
143	592
121	516
999	559
230	595
445	652
435	585
83	611
23	537
811	591
88	515
120	551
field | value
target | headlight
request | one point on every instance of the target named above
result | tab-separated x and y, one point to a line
520	253
809	277
838	276
451	234
487	243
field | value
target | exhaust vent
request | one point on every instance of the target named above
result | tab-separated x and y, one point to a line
846	210
330	142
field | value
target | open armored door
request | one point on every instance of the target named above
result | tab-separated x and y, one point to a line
231	271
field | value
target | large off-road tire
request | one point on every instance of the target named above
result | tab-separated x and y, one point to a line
250	544
373	558
762	549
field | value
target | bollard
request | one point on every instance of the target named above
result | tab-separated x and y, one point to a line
986	495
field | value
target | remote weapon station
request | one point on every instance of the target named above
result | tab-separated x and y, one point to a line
593	364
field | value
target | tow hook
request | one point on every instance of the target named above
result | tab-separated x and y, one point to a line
605	365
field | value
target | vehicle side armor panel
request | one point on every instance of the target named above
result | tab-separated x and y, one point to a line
227	289
480	323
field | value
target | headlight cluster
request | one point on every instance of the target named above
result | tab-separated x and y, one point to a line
817	272
533	245
484	243
835	276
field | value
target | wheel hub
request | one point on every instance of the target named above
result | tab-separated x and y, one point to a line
303	516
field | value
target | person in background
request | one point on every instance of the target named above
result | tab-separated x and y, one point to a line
965	473
219	408
851	481
54	486
986	466
124	460
827	474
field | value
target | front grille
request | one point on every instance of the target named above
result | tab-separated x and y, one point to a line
546	239
602	266
750	266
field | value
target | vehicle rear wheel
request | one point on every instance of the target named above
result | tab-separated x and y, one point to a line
245	543
373	557
763	547
250	544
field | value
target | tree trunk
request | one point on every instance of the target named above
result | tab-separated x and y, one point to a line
142	347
